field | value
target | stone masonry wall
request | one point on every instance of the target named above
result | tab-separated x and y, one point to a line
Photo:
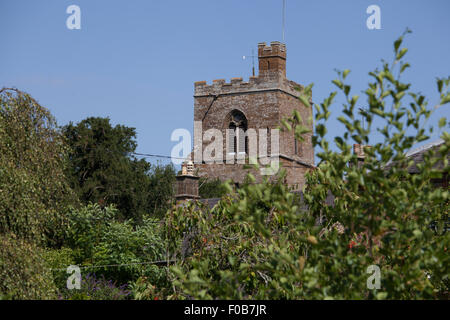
264	100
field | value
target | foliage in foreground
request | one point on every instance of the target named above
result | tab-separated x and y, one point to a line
114	256
34	192
211	188
98	239
93	288
259	243
23	271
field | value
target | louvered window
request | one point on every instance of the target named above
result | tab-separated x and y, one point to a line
237	127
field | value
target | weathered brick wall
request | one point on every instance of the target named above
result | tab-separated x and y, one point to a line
186	187
264	100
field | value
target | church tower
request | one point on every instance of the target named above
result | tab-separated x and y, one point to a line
236	107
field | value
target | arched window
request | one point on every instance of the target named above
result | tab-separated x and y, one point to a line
237	126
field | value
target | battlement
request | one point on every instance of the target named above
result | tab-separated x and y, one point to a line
272	60
221	83
276	48
272	75
235	85
238	85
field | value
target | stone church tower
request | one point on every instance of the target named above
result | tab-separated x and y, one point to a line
261	103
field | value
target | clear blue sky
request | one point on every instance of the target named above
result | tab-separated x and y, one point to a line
136	61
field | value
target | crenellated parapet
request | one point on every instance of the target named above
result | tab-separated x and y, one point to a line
276	49
272	59
272	75
238	85
234	110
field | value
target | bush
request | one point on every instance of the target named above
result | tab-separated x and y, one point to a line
211	188
34	190
123	244
86	227
57	260
93	288
260	244
23	272
97	239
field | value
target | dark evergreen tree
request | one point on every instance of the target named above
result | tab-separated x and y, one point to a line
104	170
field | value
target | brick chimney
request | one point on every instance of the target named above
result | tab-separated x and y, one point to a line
272	59
186	187
358	150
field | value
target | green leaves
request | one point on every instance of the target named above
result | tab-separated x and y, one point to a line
397	44
34	192
445	99
305	101
401	54
338	83
345	73
270	244
404	66
102	171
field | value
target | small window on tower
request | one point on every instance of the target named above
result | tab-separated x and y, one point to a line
237	125
297	146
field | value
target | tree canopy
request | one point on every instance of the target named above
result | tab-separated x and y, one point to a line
104	170
33	188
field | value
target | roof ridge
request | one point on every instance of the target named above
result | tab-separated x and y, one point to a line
426	146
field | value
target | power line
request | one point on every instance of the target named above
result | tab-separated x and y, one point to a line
160	262
170	157
156	156
284	19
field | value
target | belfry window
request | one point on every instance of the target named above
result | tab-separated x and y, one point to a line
237	126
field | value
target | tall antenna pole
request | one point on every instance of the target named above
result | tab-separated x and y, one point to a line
253	61
284	18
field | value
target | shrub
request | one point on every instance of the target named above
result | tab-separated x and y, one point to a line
86	227
97	239
23	272
123	244
34	190
211	188
57	260
93	288
260	244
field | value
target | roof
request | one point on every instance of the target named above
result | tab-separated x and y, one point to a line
425	147
210	202
417	155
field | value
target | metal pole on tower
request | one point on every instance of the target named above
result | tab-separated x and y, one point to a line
284	19
253	61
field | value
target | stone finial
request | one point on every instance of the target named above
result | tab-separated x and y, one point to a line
358	150
190	168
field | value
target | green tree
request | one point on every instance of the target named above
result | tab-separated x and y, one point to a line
24	273
34	192
161	191
259	243
96	238
211	188
103	169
